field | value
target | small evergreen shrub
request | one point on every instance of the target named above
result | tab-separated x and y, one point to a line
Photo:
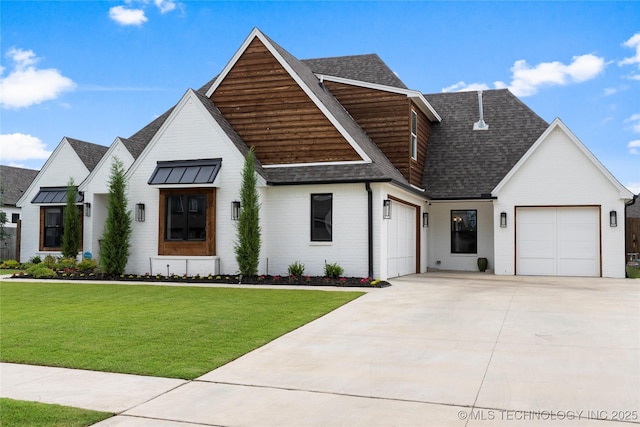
10	264
296	269
35	259
87	266
39	271
49	261
333	271
65	263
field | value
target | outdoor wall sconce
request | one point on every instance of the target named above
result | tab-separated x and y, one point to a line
613	219
386	209
140	212
235	210
425	219
503	220
87	209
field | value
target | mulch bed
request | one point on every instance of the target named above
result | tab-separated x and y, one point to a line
225	279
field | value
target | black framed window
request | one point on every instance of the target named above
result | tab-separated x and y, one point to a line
186	217
15	217
53	226
464	231
321	217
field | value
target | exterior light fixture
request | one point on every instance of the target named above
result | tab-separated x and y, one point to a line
235	210
140	212
386	209
503	220
425	219
613	219
87	209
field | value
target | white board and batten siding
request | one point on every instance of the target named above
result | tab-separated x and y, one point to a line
557	200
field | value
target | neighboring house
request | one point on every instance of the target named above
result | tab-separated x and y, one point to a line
13	182
355	168
43	203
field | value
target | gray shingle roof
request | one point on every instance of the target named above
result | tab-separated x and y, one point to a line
463	163
366	68
14	182
89	153
633	211
139	140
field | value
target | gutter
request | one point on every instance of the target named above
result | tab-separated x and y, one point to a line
367	185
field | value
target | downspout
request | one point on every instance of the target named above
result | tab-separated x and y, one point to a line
370	225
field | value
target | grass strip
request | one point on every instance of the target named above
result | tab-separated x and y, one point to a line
18	413
173	332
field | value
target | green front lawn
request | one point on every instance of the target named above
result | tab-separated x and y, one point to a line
32	414
176	332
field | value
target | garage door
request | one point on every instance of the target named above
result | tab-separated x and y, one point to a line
401	249
558	241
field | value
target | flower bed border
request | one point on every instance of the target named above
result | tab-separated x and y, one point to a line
235	279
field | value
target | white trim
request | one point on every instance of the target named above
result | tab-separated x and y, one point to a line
256	33
557	123
422	102
292	165
107	155
50	160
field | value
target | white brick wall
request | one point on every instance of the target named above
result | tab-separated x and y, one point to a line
63	164
559	173
190	133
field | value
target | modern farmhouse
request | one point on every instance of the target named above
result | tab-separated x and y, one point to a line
353	168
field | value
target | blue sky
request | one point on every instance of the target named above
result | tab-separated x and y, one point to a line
95	70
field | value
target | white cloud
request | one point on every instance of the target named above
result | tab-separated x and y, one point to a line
124	16
463	87
634	146
633	43
527	80
608	91
18	146
27	85
165	5
635	122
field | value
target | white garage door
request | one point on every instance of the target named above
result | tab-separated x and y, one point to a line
559	241
401	249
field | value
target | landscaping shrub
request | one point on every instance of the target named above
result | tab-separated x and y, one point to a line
87	266
72	231
65	263
49	261
333	271
116	236
10	264
296	269
35	260
247	247
40	271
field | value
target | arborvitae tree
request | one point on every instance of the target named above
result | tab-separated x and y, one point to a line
248	245
114	250
71	232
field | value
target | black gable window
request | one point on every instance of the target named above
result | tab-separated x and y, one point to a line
464	232
321	217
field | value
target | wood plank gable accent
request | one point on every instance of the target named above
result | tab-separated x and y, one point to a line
272	113
386	118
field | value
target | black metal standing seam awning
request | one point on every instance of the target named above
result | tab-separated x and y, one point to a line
55	195
186	172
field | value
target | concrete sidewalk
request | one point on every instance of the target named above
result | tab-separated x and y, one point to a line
439	349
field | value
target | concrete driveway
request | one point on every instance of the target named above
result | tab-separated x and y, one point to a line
439	349
435	349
